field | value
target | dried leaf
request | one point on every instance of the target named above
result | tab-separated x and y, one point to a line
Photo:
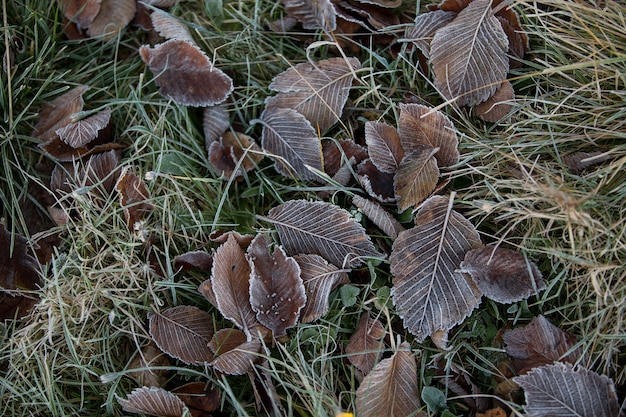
113	17
195	259
149	357
468	55
425	26
199	397
378	185
367	14
134	198
336	154
215	122
80	133
240	359
313	14
221	236
423	125
323	229
242	151
379	216
81	12
391	388
226	339
162	4
185	74
503	275
578	161
383	146
170	27
319	278
153	401
416	177
277	293
429	293
540	343
58	113
498	105
564	390
365	345
318	91
230	280
289	135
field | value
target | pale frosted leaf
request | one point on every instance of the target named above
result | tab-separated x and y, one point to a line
170	27
416	177
383	146
501	274
379	216
81	12
185	74
230	281
323	229
539	343
423	125
425	26
469	55
80	133
563	390
318	91
113	17
240	359
319	278
498	105
58	113
390	389
365	345
289	135
429	293
183	332
313	14
215	122
153	401
277	293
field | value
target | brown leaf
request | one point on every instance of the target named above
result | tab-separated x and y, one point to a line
184	333
233	152
277	293
494	412
429	293
416	177
367	14
81	12
383	146
81	132
149	357
221	236
230	280
540	343
58	113
185	74
134	198
240	359
423	125
318	91
226	339
215	122
337	153
578	161
162	4
378	185
200	260
365	345
468	55
319	278
153	401
170	27
379	216
503	275
425	26
323	229
498	105
199	397
113	17
313	14
391	388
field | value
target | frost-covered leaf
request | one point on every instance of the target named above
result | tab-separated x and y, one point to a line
240	359
498	105
226	339
539	343
338	153
365	345
318	91
313	14
423	125
390	389
289	135
153	401
234	153
183	332
429	293
501	274
276	290
134	198
170	27
383	146
113	17
425	26
79	133
323	229
319	278
563	390
379	216
578	161
215	122
469	55
377	184
58	113
185	74
221	236
416	177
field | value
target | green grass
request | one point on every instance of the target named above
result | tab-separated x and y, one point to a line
70	357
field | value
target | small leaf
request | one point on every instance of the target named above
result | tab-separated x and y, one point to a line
184	333
416	177
564	390
153	401
313	14
498	105
215	122
221	236
434	399
199	397
226	339
578	161
81	12
113	17
391	388
58	113
200	260
338	153
276	290
378	185
80	133
170	27
134	198
323	229
143	361
365	345
503	275
348	294
383	146
379	216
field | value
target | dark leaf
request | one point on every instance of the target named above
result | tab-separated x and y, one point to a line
153	401
578	161
379	216
81	12
149	357
313	14
338	153
365	345
416	177
240	359
58	113
134	198
498	105
226	339
221	236
199	397
378	185
196	259
113	17
383	146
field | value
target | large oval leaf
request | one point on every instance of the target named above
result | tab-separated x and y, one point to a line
429	293
323	229
468	55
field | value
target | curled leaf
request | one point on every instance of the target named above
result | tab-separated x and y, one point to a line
215	122
170	27
58	113
425	26
134	198
81	12
313	14
378	185
195	259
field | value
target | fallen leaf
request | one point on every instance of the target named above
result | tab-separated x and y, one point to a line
498	105
416	177
578	161
337	153
235	153
323	229
170	27
503	275
383	146
183	332
277	293
240	359
113	17
468	55
215	122
425	26
226	339
429	293
81	132
371	15
379	216
185	74
564	390
199	398
313	14
58	113
221	236
149	357
365	345
81	12
378	185
134	198
390	389
200	260
153	401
